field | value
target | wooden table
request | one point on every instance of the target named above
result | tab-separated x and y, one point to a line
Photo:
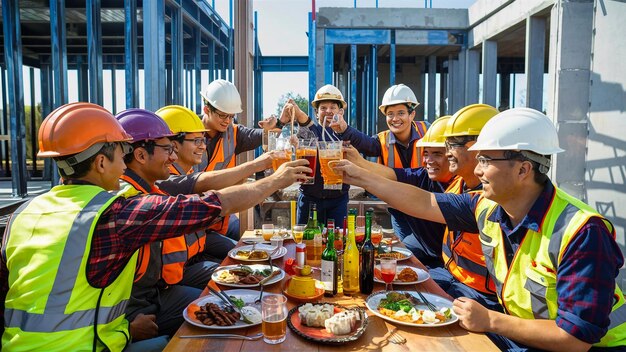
376	337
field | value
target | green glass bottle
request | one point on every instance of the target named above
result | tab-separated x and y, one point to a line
367	257
312	230
330	266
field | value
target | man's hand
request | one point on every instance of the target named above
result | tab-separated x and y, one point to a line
268	123
339	125
350	153
264	161
291	172
144	327
472	315
352	174
291	109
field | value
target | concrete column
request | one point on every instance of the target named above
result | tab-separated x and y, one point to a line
243	79
571	36
421	93
472	76
505	91
432	87
535	53
490	71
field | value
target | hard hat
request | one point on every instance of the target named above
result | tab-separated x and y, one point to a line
181	119
470	120
398	94
142	124
434	135
75	128
329	92
223	95
519	129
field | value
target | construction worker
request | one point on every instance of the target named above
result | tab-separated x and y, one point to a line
394	147
69	255
331	204
226	140
553	258
426	236
190	146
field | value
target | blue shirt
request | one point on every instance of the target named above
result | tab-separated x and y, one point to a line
586	274
428	234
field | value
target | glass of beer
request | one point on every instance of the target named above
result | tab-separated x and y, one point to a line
282	154
298	233
307	149
328	152
274	312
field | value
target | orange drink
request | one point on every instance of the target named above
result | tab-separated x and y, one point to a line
298	232
330	151
274	313
280	158
307	149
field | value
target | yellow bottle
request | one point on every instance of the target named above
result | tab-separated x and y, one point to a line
351	261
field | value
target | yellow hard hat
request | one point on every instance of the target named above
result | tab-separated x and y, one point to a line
329	92
434	135
180	119
470	120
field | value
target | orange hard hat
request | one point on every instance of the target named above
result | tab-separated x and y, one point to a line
75	127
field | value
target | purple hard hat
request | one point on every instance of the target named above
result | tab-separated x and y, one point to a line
142	124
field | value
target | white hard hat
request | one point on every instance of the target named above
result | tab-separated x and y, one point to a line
329	92
223	95
522	129
398	94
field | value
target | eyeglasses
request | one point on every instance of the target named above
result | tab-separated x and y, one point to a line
169	148
127	148
457	143
198	141
223	116
484	161
400	114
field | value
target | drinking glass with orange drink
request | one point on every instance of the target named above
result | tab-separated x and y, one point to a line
328	152
268	231
359	231
274	314
307	149
282	154
377	234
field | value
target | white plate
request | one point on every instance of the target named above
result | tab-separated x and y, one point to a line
248	296
262	247
407	253
422	275
254	267
374	299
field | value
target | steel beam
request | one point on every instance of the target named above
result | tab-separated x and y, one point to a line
94	51
283	64
535	54
353	81
490	71
130	54
59	52
154	53
13	61
312	70
432	87
47	96
197	68
392	59
177	55
33	119
373	91
329	61
4	125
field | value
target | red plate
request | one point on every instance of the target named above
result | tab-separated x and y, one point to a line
320	334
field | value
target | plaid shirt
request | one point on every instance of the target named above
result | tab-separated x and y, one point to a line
130	223
586	274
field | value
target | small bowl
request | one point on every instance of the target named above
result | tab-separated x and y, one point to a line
319	292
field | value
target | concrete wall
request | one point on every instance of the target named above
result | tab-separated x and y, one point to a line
605	173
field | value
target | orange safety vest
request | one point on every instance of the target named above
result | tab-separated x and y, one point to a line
223	157
390	157
174	251
463	255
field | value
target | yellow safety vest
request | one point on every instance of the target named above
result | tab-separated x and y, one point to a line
528	289
389	156
50	305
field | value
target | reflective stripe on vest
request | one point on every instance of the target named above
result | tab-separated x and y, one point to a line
223	156
528	288
389	155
